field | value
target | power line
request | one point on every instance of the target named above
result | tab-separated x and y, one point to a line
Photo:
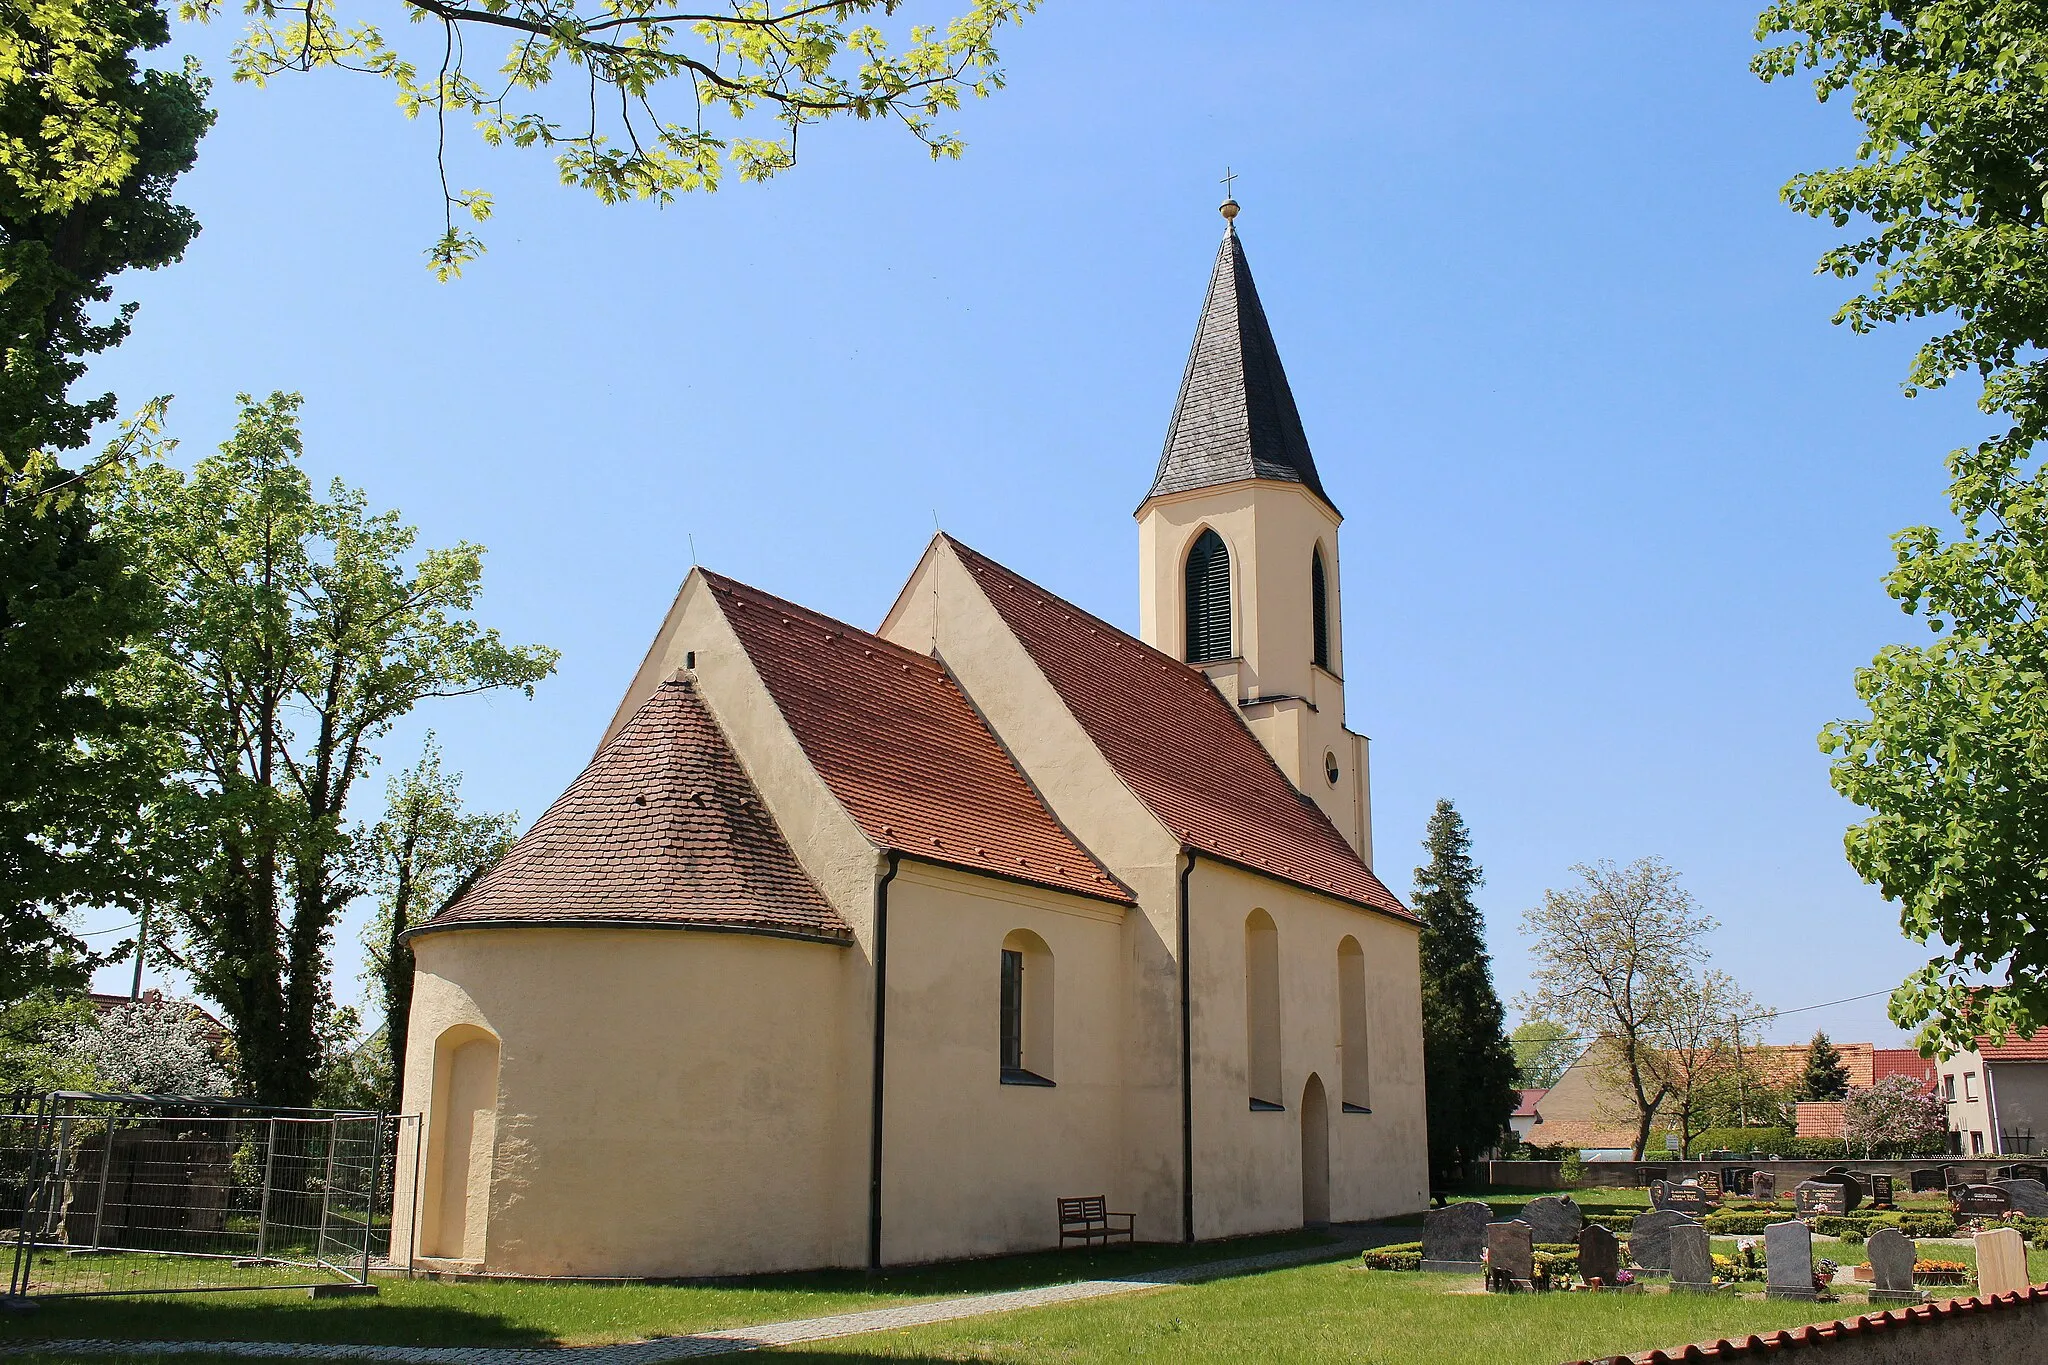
1751	1019
117	929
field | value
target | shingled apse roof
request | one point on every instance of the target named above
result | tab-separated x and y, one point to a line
897	742
663	828
1235	417
1178	745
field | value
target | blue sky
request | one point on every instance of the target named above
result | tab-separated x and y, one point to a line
1619	495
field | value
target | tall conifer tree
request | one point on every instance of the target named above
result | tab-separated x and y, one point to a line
1826	1076
1468	1062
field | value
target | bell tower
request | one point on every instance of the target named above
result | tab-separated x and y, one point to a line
1238	570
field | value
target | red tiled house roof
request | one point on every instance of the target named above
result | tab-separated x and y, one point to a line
663	828
895	739
2016	1048
1526	1102
1903	1061
1178	745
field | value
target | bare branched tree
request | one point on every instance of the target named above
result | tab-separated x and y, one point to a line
1614	955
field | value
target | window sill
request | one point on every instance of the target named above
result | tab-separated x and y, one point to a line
1351	1108
1017	1075
1267	1107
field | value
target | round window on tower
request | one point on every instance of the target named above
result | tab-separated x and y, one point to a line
1330	768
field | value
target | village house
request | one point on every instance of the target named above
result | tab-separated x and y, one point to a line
857	947
1997	1097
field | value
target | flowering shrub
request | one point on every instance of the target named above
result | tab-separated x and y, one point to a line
151	1046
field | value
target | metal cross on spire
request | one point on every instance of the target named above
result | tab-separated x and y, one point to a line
1229	209
1228	189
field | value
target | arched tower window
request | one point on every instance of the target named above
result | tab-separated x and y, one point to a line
1262	1010
1208	598
1319	594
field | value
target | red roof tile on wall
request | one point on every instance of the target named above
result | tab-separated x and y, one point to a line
663	827
1179	745
895	739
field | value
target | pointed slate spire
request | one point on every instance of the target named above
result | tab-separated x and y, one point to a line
1235	418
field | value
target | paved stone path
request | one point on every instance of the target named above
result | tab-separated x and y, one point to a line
727	1340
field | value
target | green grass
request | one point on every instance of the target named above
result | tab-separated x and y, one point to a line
1334	1313
550	1313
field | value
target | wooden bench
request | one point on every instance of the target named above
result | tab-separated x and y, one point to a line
1088	1221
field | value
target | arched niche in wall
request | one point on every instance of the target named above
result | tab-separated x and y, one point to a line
1262	1010
461	1139
1355	1080
1026	1023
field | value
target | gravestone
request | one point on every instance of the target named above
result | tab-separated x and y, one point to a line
1980	1201
1923	1181
1881	1191
1763	1185
1510	1255
1788	1261
1658	1189
2001	1263
1453	1236
1852	1192
1710	1183
1688	1199
1735	1179
1692	1264
1553	1220
2027	1196
1599	1255
1892	1254
1649	1238
2027	1170
1653	1174
1812	1198
1968	1175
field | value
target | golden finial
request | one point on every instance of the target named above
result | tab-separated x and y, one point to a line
1229	209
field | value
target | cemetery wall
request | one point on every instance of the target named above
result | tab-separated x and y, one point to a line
2013	1327
1549	1175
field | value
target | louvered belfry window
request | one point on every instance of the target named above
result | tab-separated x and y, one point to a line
1208	593
1321	595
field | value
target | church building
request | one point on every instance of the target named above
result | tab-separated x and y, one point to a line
861	947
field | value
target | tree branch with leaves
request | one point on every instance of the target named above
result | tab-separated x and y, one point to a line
638	99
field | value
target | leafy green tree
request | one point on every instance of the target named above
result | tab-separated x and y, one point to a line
34	1031
297	631
1952	762
1614	956
422	851
1825	1075
652	102
1544	1051
92	146
1468	1066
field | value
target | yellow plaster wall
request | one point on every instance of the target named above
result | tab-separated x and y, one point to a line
942	611
670	1101
1248	1165
973	1166
1271	530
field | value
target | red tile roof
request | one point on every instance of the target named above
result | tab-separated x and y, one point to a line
1819	1119
1179	745
1903	1061
663	827
1525	1108
2016	1048
894	737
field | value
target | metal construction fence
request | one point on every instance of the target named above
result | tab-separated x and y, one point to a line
138	1194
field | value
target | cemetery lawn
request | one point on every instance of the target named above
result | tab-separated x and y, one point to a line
1334	1313
542	1313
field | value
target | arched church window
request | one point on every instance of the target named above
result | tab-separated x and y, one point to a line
1354	1053
1208	598
1262	1010
1024	1025
1319	594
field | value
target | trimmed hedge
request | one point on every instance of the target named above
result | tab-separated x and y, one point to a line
1400	1256
1853	1226
1744	1141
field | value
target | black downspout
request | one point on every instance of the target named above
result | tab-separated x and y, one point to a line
875	1100
1187	1072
